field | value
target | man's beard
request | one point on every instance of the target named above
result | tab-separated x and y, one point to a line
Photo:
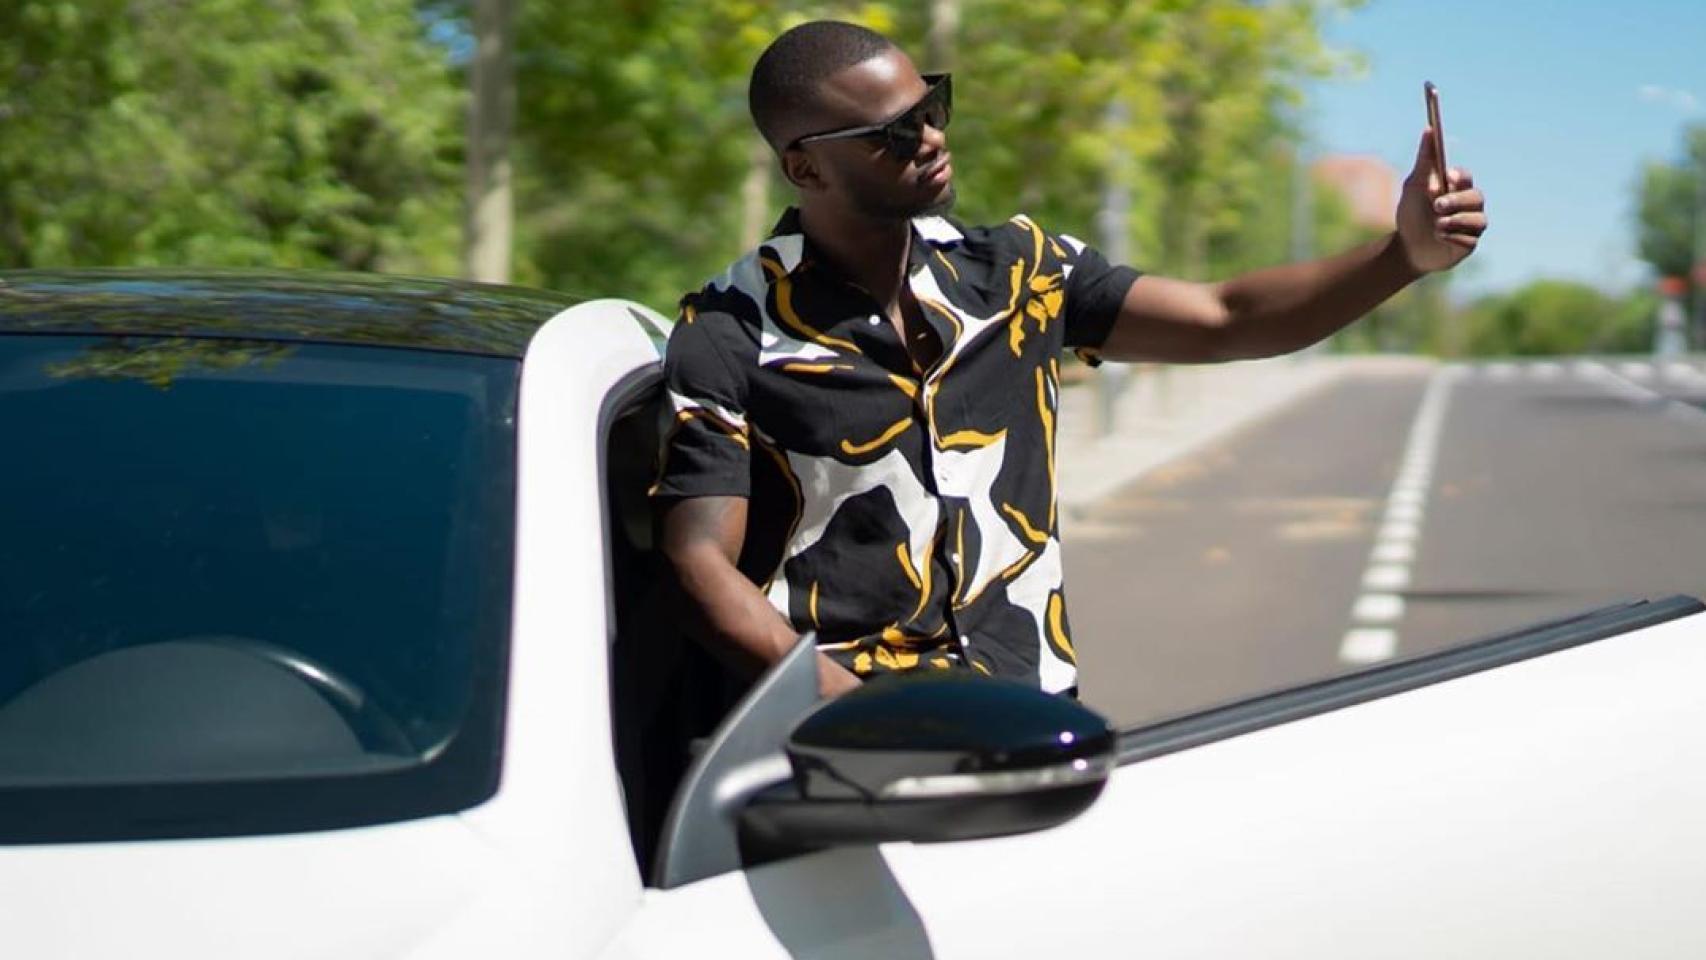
943	204
883	210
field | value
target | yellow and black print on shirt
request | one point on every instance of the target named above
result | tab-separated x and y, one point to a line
906	516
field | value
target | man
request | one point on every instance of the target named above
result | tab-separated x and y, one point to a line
881	383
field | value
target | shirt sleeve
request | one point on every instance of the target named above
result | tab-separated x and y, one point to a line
706	447
1095	289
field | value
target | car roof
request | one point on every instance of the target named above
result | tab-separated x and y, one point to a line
305	306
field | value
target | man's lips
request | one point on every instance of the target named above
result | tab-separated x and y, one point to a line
938	173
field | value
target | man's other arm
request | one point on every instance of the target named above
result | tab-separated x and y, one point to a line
1277	310
702	537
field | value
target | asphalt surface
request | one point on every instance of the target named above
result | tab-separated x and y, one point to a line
1542	489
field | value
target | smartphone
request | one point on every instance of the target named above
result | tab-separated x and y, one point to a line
1431	94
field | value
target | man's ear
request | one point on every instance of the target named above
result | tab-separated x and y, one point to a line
801	170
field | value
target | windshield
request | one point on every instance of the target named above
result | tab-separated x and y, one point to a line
238	561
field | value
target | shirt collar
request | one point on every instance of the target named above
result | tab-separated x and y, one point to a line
788	237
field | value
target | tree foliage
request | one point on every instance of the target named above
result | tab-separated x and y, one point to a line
636	141
314	133
1557	318
327	133
1667	201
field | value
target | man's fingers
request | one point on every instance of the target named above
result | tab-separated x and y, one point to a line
1460	178
1474	223
1465	200
1460	239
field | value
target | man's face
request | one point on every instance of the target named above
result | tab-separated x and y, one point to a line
860	173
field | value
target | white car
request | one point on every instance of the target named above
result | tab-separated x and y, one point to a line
329	627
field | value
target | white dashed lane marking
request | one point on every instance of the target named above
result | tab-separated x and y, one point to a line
1368	645
1587	368
1387	576
1378	611
1373	636
1666	405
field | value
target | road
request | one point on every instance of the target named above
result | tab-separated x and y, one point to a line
1399	510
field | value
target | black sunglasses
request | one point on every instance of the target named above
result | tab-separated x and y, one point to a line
902	135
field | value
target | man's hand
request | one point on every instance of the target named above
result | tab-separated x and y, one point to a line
1438	227
833	679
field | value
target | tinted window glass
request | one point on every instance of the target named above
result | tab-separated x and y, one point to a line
228	560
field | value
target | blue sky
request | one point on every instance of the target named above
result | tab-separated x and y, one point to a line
1553	107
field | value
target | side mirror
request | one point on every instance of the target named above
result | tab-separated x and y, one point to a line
929	757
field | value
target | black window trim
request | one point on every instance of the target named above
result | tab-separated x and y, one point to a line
632	390
1260	712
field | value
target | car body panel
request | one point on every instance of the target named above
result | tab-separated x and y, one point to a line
558	809
373	891
1547	807
542	868
1550	807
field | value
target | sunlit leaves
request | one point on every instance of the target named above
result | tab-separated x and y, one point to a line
320	133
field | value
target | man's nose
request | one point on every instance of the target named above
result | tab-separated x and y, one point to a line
934	140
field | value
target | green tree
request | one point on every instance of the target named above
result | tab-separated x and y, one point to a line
635	150
1557	318
1667	200
633	139
317	133
1669	228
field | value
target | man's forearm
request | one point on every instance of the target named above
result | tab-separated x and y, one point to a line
733	617
1281	309
702	537
739	626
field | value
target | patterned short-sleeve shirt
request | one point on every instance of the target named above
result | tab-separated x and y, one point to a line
906	516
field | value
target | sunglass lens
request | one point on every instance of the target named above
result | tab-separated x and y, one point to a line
936	115
903	141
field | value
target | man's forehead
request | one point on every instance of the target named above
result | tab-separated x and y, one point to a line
871	91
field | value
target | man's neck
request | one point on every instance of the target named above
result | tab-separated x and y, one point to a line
872	253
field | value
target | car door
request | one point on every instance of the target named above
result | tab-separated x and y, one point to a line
1460	804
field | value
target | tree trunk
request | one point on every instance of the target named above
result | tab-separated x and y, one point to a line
489	227
1114	238
755	194
939	41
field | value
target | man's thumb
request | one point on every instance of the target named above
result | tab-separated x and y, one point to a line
1424	168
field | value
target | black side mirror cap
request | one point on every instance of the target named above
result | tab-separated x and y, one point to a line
930	757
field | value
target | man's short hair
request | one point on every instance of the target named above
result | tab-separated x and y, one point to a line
785	80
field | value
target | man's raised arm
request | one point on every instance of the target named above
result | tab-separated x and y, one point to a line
1277	310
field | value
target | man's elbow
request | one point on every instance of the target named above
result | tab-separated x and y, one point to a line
1218	333
1229	332
690	560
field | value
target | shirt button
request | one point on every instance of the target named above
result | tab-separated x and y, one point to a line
954	557
875	320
